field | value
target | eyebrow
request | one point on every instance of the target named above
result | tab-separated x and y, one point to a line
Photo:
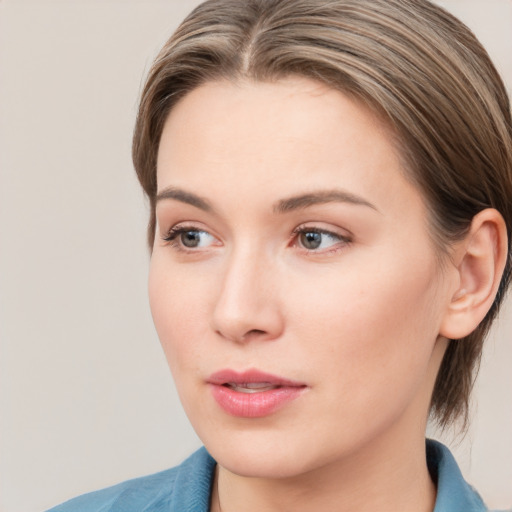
320	197
282	206
184	197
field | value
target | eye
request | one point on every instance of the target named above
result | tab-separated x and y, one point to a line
314	239
189	237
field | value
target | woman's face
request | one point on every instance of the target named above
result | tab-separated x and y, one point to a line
293	284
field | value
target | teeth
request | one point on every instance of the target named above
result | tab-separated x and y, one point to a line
251	387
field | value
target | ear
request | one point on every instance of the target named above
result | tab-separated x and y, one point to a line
479	262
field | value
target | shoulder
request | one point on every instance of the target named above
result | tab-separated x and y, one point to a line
185	487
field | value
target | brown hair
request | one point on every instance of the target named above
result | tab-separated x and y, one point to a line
408	60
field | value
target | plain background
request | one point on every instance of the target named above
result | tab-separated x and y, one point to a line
86	398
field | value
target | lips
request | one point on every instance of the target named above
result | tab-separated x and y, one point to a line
250	387
252	394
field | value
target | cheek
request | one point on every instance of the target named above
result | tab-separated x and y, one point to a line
178	312
368	325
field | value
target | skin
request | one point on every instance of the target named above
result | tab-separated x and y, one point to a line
358	320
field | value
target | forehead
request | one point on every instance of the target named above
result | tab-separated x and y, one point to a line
276	138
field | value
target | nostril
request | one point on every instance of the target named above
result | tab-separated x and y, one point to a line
253	332
256	331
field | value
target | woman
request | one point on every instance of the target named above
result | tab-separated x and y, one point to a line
330	186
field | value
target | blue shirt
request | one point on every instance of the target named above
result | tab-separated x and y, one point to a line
187	488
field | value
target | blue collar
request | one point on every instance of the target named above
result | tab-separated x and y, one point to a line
453	492
193	484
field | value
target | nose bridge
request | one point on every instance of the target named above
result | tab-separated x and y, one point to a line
247	305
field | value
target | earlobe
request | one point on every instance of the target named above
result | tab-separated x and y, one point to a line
481	259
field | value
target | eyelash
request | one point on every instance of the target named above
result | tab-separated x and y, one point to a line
172	238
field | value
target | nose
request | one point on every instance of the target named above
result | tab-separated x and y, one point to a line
247	306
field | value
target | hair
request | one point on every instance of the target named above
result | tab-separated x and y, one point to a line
410	61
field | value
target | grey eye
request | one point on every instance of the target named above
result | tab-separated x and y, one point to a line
315	239
191	239
310	240
195	238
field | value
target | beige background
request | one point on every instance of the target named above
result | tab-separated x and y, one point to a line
85	395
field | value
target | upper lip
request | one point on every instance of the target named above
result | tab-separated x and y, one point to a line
228	376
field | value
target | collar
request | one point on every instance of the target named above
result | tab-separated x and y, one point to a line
193	484
454	494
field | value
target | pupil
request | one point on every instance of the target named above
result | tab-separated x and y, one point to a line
190	238
311	240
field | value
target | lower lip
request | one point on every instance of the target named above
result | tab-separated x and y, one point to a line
254	405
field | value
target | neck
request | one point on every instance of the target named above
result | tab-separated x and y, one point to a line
378	479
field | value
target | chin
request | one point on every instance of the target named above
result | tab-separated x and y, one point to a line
267	453
281	464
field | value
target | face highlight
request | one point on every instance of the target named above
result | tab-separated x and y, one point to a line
292	258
